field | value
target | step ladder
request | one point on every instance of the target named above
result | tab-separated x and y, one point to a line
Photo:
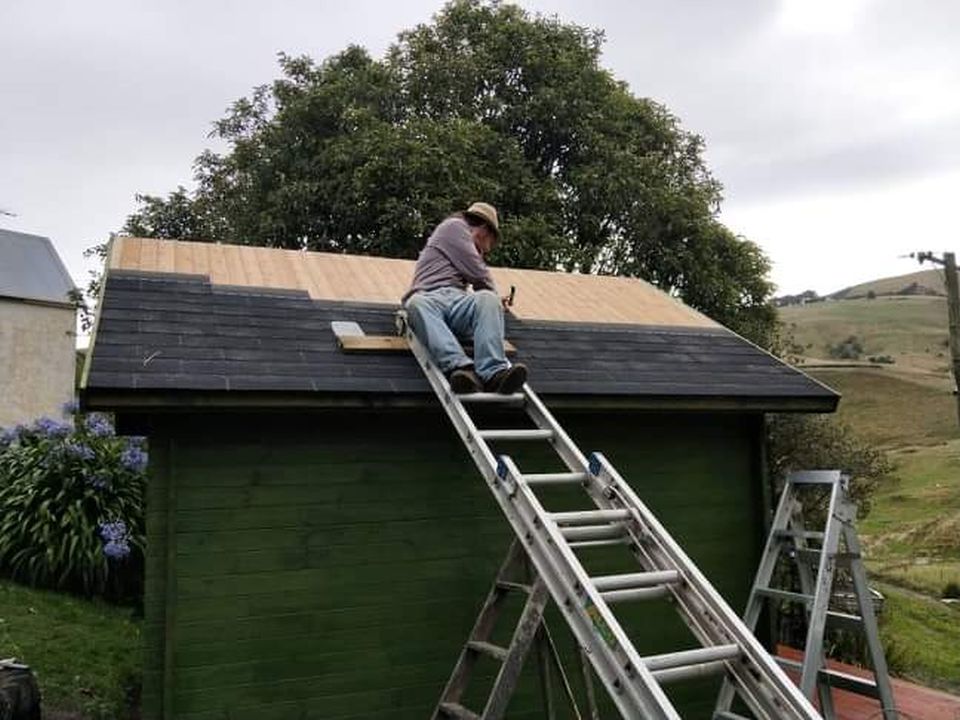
792	541
616	516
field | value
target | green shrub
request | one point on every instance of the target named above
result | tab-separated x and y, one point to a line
951	591
71	507
849	349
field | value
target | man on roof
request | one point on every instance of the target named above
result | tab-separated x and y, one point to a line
442	310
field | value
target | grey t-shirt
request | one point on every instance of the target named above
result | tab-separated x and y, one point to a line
450	259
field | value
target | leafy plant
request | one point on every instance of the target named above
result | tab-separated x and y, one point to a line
849	349
71	506
818	442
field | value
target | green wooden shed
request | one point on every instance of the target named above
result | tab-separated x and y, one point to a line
319	541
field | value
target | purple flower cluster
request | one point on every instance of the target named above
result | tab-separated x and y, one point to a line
79	450
134	459
51	428
98	426
115	539
100	481
70	408
8	436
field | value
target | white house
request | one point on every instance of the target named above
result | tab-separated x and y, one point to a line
37	330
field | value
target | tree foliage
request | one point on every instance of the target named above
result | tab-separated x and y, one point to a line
486	102
802	442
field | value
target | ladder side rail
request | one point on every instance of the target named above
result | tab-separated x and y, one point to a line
785	692
808	581
522	640
763	578
813	656
482	627
652	703
631	685
881	672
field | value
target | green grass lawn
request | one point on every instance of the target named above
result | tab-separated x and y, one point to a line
86	655
920	636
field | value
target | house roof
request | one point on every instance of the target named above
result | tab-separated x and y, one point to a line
169	334
563	297
30	269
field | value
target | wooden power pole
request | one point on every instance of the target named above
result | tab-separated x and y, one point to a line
949	262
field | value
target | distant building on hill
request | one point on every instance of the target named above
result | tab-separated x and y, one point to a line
37	329
807	296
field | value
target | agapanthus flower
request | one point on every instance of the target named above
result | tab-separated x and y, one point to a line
7	437
99	481
133	458
98	426
116	549
79	451
114	535
51	428
70	408
114	531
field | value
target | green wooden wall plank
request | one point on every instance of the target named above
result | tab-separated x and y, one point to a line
332	566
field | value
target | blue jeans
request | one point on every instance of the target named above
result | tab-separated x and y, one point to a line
442	317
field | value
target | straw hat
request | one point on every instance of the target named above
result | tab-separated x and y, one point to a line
487	213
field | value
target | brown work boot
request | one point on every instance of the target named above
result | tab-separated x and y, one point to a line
507	381
464	381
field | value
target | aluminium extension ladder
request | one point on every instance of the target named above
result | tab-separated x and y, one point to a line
617	516
790	539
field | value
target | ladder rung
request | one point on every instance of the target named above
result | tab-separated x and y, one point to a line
727	715
635	580
697	656
690	672
514	586
854	622
813	555
455	710
593	532
851	683
799	534
813	477
600	543
644	593
485	397
489	649
785	595
560	478
516	434
589	517
837	679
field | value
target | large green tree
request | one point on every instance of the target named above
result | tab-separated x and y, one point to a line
486	102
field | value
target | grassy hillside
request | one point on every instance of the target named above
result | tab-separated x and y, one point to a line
932	280
912	534
912	330
890	409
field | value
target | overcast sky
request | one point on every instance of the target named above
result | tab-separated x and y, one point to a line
834	125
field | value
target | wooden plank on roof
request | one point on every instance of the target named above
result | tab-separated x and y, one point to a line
129	250
218	265
389	343
541	295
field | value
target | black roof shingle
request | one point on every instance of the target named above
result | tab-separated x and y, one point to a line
158	333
